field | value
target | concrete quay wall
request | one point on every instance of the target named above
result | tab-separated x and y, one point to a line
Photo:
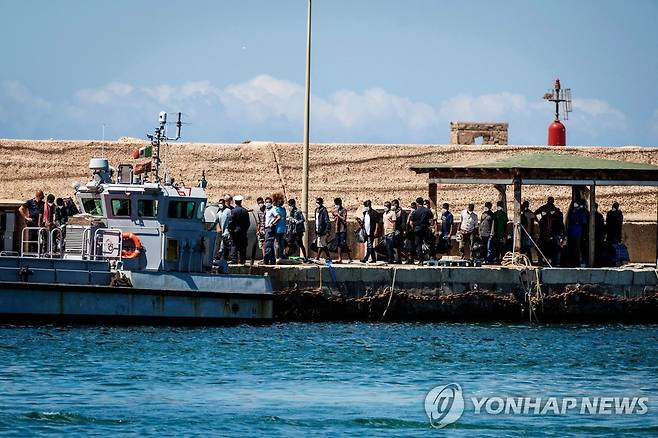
357	280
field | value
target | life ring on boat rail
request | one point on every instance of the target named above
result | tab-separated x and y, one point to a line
134	250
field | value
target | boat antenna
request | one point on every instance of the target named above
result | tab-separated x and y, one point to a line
159	136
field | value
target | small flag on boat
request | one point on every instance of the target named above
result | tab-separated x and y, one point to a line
143	167
144	152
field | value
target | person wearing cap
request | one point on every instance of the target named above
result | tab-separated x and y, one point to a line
240	223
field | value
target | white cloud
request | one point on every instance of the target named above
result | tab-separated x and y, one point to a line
596	117
20	94
263	98
112	92
271	108
486	107
596	108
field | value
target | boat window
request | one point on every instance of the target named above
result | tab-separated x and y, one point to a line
92	206
181	209
147	207
202	210
120	207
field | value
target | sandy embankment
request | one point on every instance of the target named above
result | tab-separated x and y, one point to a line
352	171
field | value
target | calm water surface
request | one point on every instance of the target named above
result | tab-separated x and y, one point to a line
315	379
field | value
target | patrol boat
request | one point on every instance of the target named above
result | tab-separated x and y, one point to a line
139	251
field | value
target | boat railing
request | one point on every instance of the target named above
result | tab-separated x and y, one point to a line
48	243
34	238
97	243
56	243
107	244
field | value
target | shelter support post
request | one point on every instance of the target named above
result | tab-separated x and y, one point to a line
517	215
592	225
502	194
433	193
656	229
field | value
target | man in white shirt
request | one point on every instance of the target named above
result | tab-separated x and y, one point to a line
469	221
272	217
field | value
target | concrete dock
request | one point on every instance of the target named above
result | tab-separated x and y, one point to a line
357	279
375	293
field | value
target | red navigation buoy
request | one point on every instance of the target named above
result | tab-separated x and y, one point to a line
557	132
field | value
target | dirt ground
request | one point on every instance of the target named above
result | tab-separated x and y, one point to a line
354	172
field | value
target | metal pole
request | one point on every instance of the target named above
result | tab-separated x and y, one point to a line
103	143
307	110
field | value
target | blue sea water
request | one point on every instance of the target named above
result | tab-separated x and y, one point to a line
316	379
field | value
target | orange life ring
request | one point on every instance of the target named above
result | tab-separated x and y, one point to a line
131	253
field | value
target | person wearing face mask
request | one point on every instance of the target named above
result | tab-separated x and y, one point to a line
296	228
340	219
400	229
500	231
469	221
260	224
240	221
421	219
369	225
61	213
409	237
272	217
49	212
390	227
447	221
281	226
322	228
433	229
221	227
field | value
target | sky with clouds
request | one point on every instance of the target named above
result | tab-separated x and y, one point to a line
388	71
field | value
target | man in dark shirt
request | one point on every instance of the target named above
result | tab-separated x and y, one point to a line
420	221
32	209
614	223
240	224
32	213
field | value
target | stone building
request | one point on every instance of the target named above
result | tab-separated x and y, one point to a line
469	132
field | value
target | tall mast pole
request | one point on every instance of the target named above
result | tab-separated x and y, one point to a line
307	110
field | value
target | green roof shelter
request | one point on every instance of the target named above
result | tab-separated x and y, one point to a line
561	168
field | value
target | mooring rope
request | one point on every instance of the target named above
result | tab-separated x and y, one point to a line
390	297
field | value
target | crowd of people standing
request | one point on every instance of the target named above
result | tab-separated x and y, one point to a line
417	234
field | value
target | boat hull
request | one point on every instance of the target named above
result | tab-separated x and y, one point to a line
28	303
